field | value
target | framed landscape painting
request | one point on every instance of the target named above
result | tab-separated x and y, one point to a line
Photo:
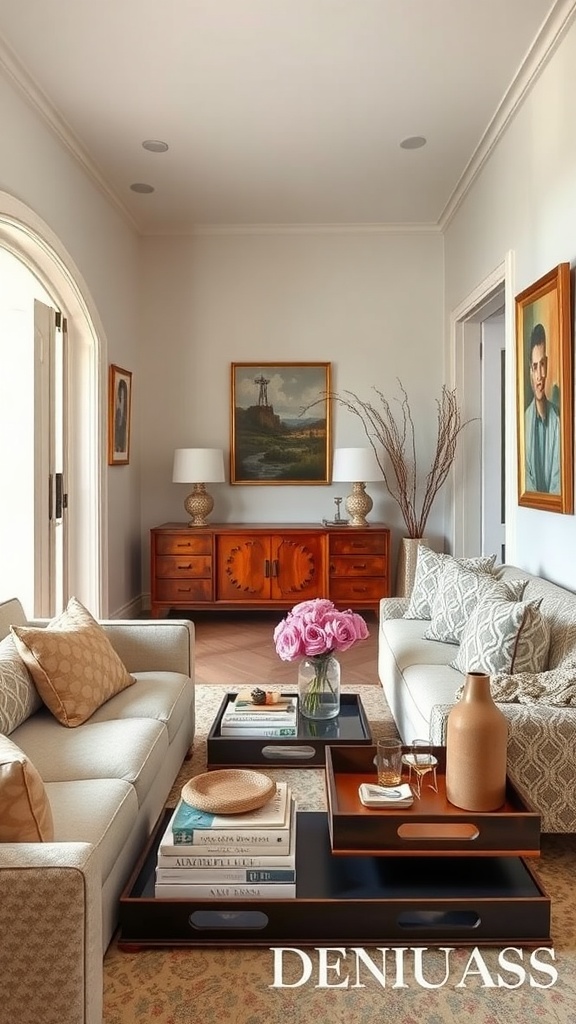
280	423
544	384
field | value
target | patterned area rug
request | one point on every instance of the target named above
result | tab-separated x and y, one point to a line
237	986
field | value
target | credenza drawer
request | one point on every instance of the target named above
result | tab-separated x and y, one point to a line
346	591
183	566
180	592
182	543
352	543
356	565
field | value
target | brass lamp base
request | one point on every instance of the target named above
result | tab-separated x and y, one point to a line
198	505
358	505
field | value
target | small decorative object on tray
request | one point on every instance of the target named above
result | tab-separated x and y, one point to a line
228	791
382	797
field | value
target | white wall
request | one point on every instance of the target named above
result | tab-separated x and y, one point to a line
525	200
36	169
371	304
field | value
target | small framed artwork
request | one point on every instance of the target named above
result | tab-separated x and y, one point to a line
119	409
280	423
544	384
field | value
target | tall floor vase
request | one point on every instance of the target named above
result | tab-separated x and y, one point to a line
406	565
476	748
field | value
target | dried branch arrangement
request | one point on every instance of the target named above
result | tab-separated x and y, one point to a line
394	437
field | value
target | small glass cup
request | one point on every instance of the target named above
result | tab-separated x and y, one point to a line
389	762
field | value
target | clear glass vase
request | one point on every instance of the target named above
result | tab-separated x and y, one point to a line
319	686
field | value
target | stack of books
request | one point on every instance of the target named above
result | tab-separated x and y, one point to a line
244	719
240	856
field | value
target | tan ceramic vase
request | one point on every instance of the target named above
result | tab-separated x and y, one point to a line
476	745
406	565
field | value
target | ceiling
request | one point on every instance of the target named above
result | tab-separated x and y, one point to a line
278	112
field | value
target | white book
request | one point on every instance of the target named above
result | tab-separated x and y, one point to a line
236	840
184	867
275	890
246	718
257	730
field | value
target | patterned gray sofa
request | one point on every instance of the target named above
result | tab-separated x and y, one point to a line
106	781
421	685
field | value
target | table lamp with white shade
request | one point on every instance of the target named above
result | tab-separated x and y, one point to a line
198	466
356	466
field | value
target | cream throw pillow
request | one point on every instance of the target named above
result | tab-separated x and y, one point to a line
73	664
429	566
25	814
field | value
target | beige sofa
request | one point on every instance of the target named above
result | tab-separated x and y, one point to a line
420	686
107	781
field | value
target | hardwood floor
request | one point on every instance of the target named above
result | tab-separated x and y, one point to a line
237	648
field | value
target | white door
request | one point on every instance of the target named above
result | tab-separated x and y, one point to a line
50	497
493	445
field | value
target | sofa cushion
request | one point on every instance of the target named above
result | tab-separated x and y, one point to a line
429	566
98	811
73	664
19	698
25	814
458	593
163	696
504	636
131	749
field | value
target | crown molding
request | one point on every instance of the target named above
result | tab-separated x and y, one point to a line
299	229
555	26
37	99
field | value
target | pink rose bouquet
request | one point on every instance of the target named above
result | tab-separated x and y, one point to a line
316	627
316	630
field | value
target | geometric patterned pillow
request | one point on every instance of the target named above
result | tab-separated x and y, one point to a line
504	636
19	698
25	814
429	566
459	591
73	664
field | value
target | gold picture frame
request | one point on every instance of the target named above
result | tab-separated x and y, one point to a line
544	393
273	440
119	415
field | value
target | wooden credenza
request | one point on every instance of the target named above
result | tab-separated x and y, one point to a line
273	565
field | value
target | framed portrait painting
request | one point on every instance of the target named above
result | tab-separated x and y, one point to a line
119	410
280	423
544	393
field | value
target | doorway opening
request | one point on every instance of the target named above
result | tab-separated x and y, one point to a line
24	237
482	329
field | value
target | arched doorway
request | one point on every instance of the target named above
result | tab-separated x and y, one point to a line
34	245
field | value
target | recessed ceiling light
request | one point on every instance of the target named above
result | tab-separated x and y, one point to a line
155	146
413	142
139	186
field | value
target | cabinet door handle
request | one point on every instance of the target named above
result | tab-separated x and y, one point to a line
184	544
362	566
275	566
183	590
267	568
189	566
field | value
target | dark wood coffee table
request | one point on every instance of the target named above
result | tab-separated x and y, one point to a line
352	888
357	900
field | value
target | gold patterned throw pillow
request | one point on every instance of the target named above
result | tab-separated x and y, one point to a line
25	814
73	664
